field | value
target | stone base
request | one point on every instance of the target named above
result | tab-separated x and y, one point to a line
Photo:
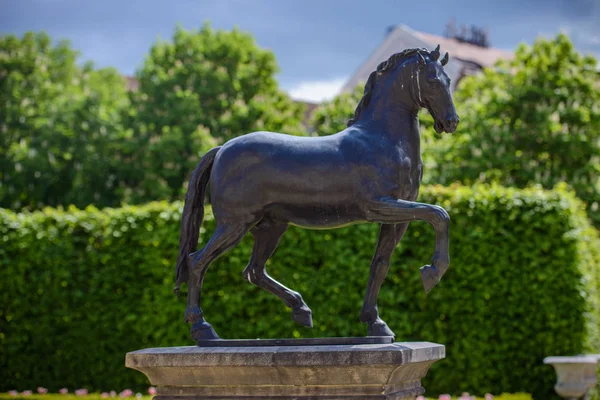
341	372
330	341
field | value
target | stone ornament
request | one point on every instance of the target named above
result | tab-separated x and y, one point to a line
575	375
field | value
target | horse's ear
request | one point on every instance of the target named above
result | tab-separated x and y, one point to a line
436	53
445	59
421	60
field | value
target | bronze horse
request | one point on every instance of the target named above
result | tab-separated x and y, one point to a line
369	172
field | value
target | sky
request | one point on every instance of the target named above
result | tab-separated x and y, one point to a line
318	43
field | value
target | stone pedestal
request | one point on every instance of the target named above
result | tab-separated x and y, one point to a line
340	372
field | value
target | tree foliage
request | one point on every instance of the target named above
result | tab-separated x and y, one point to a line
59	125
72	135
533	120
332	116
203	87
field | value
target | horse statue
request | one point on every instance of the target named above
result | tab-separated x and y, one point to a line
370	172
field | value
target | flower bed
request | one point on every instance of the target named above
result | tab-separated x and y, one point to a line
42	394
488	396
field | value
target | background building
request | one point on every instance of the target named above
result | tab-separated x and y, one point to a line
468	48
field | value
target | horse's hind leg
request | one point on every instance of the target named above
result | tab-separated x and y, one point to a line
266	238
389	236
225	237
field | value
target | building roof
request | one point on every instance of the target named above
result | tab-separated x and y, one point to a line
482	56
131	83
464	57
309	108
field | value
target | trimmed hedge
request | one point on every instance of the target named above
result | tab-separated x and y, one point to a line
81	288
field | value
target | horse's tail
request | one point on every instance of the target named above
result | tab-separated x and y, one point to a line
193	213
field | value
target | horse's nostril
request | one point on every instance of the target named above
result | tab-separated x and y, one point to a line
453	121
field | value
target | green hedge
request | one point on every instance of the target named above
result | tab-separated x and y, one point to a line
81	288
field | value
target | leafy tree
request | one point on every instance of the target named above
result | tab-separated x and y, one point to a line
59	123
533	120
203	84
332	116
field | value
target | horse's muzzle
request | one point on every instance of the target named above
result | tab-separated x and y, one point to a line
450	123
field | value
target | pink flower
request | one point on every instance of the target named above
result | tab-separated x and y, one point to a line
42	390
113	393
151	390
489	396
81	392
26	393
445	397
126	393
104	395
13	393
420	398
63	391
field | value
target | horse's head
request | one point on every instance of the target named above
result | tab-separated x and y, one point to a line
413	78
432	87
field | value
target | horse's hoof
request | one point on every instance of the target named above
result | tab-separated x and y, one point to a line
193	315
380	328
430	277
203	331
303	316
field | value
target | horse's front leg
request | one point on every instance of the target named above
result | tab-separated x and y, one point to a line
389	236
388	210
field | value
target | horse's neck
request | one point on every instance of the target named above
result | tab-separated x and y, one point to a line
403	129
398	126
404	132
393	112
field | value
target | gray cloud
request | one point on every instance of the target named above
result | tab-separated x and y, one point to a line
312	39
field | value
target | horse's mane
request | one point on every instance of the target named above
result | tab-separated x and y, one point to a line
374	77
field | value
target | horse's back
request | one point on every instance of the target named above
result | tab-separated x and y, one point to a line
269	172
272	143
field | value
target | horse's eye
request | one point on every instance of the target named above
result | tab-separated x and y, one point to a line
434	80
